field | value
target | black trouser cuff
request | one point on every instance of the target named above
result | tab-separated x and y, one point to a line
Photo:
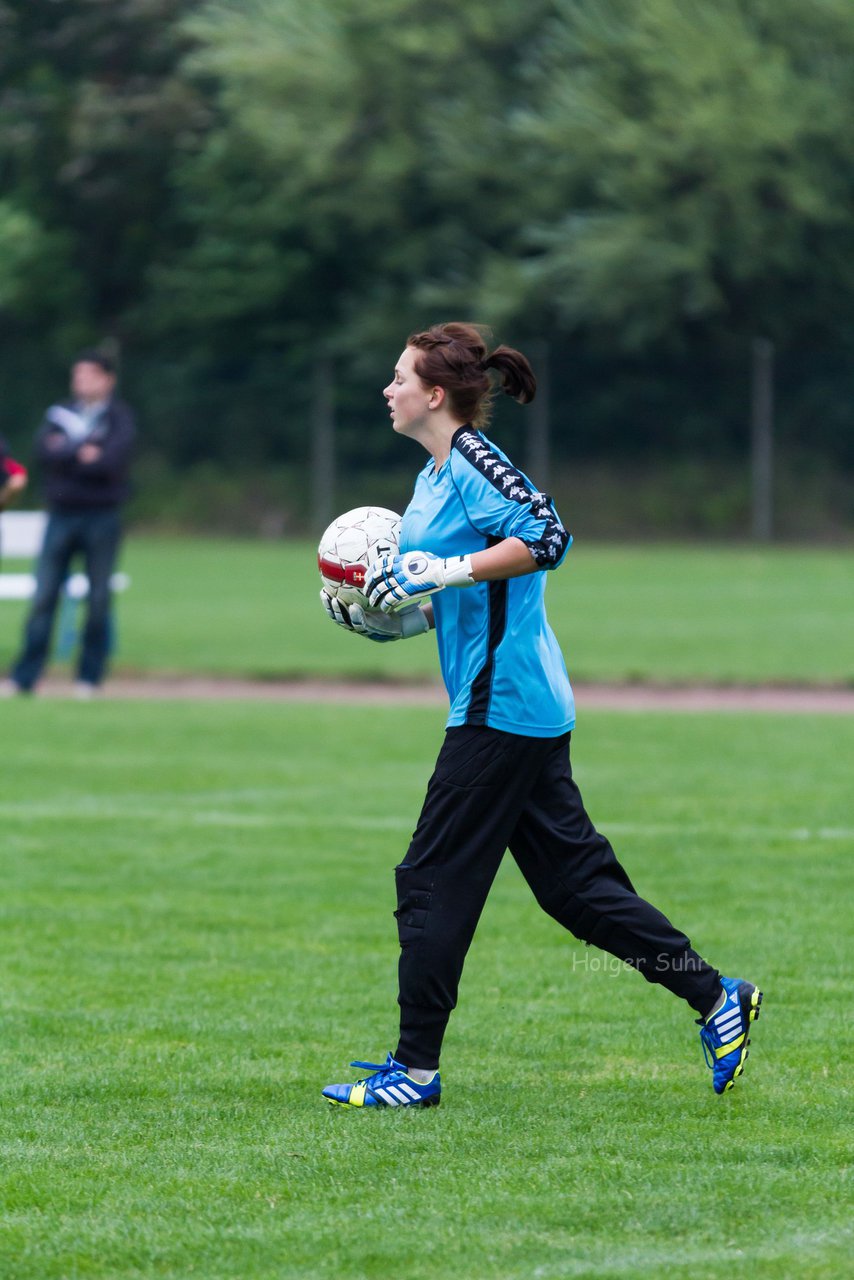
421	1033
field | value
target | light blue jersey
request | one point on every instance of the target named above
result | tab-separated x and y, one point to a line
500	661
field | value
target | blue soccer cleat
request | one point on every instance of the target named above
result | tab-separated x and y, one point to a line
389	1086
724	1037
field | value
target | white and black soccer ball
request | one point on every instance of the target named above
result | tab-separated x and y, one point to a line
350	544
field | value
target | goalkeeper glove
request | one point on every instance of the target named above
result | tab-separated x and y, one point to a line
372	623
393	582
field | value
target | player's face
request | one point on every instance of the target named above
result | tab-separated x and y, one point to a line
407	396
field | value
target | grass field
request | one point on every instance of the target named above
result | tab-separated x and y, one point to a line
646	613
197	936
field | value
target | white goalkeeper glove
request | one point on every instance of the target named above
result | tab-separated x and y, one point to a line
373	624
393	582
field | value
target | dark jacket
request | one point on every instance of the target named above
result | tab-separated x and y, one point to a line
73	485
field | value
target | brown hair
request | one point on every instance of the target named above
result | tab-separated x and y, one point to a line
455	357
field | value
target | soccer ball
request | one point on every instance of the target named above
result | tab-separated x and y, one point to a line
350	544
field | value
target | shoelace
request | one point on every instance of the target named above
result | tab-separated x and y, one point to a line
708	1043
377	1069
708	1047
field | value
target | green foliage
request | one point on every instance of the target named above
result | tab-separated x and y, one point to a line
22	245
226	190
92	113
198	935
700	169
17	233
320	200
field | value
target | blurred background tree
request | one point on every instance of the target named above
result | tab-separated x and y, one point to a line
94	111
252	199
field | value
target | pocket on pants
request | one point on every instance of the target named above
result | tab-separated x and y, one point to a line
413	902
413	911
474	757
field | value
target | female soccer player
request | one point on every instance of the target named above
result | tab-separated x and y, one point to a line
476	542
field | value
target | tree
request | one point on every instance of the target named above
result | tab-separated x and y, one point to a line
700	169
92	113
321	199
316	219
228	187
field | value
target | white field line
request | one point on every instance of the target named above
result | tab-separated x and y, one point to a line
157	816
88	811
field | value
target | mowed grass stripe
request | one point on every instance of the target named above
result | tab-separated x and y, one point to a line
646	612
175	994
118	810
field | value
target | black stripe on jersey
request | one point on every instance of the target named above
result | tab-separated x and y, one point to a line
481	687
549	548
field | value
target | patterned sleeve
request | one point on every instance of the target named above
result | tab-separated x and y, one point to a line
501	503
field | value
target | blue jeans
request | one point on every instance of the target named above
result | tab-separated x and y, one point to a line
95	535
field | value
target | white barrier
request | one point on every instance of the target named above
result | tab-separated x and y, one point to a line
21	537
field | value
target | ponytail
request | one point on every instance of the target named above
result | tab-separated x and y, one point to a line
454	356
515	373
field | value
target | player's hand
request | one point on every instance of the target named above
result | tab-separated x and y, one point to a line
373	624
335	610
11	486
393	582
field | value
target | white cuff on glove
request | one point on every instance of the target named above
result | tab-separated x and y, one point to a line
395	582
458	571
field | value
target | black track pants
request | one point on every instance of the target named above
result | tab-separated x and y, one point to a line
492	791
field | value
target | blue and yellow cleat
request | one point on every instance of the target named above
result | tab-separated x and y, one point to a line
389	1086
724	1037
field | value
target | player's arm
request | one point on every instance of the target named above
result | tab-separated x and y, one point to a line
511	558
499	502
395	582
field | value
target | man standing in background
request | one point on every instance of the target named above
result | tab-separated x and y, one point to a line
83	448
